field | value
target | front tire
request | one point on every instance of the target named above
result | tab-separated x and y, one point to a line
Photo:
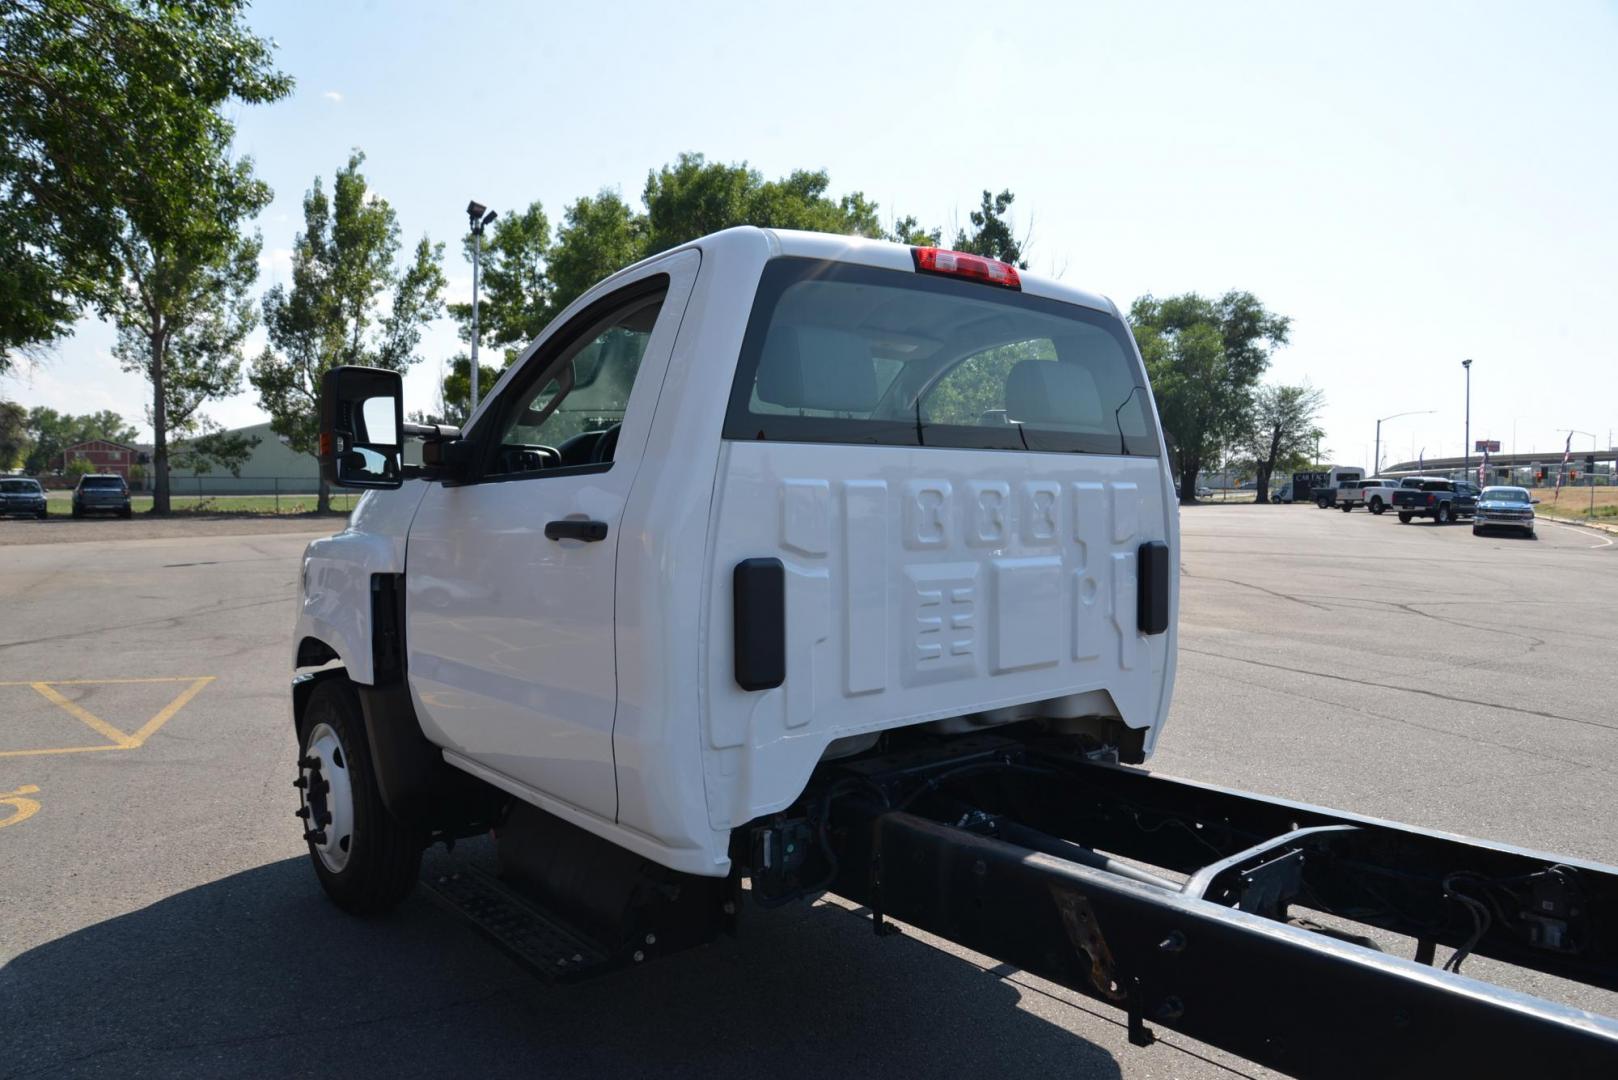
1377	507
1404	518
1347	507
1443	515
366	861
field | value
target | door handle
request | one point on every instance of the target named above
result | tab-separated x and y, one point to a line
575	529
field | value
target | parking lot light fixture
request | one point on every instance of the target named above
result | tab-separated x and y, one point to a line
477	216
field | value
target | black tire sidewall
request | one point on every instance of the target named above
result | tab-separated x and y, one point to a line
385	857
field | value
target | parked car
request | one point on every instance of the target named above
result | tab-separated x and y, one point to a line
1284	495
22	495
1504	508
1204	491
1376	494
1434	497
101	493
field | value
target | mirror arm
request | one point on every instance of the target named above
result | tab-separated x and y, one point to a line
434	432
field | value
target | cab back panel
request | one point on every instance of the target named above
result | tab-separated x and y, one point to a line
922	585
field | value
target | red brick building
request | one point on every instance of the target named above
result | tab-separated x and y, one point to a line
104	456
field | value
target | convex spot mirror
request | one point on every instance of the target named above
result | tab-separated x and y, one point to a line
362	427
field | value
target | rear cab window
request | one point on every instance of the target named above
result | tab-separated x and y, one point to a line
842	353
102	482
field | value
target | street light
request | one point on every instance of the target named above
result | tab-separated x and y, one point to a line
1376	460
475	213
1466	447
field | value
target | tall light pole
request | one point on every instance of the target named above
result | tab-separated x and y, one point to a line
1376	459
1466	447
475	214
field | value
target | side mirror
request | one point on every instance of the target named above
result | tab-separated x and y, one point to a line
362	427
1534	501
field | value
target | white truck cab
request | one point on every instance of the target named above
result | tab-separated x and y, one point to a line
746	507
838	565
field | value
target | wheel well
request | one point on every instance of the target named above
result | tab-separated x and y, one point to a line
312	652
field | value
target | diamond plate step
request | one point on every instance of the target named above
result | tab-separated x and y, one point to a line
519	927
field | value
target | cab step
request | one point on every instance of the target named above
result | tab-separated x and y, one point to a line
536	939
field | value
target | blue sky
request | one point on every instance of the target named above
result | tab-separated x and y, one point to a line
1412	183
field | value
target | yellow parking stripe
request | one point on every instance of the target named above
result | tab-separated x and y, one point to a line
60	750
88	719
145	730
117	740
98	682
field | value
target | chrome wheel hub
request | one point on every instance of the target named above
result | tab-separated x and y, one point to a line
328	798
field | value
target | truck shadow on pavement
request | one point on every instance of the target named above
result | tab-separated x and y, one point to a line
257	975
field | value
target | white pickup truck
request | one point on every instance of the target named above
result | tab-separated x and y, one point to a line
1376	495
819	563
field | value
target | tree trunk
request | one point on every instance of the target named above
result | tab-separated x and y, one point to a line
160	426
323	506
1262	478
1189	468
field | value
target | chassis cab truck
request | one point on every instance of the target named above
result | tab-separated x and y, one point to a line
784	563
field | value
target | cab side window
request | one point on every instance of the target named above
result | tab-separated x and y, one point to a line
569	410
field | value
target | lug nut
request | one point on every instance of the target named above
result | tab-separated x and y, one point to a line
651	939
639	956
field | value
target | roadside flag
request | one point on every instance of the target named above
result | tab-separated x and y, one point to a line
1567	452
1483	466
1421	460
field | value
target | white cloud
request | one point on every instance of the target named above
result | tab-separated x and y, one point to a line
333	96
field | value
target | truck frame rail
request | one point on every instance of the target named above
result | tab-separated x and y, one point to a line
1253	924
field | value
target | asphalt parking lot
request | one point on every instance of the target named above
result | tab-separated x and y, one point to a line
158	917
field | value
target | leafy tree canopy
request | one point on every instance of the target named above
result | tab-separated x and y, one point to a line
529	277
50	432
349	303
110	123
1205	357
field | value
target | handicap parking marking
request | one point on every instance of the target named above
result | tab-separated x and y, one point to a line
23	807
117	739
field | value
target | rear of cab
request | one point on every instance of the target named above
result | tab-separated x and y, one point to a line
820	488
957	477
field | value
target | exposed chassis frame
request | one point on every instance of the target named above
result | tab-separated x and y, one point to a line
1032	856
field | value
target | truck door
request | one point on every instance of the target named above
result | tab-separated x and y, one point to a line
509	582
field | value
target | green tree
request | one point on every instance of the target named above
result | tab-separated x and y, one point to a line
1281	433
908	230
15	442
991	234
514	303
694	197
77	467
51	432
214	446
599	236
1205	358
343	268
110	119
457	387
183	308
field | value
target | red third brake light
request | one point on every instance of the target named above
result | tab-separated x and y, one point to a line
944	261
